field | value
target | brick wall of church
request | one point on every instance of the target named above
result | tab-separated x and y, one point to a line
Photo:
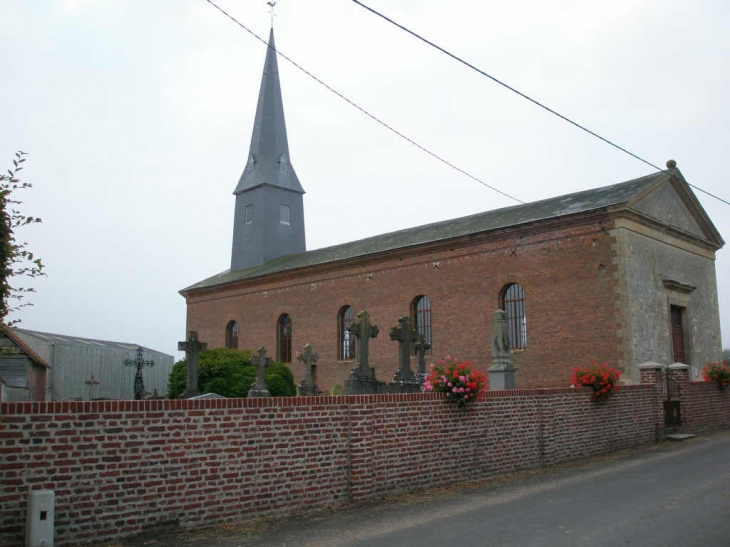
118	467
567	272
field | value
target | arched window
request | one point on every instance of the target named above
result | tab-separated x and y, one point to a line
232	335
421	317
345	339
512	300
283	339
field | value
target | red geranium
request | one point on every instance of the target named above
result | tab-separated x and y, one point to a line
458	379
718	373
602	378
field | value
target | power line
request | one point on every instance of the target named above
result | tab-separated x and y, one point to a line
579	126
361	109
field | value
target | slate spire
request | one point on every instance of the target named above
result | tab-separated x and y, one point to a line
268	158
269	217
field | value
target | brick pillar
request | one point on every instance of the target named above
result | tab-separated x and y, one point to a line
652	373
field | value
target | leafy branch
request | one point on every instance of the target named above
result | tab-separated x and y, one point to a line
15	259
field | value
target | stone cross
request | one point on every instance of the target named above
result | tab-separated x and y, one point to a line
192	347
260	388
140	363
421	348
309	360
92	383
405	334
363	331
501	371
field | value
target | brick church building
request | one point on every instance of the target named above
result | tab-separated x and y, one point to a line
622	274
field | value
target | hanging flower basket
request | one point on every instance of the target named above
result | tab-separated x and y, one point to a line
601	378
458	379
717	373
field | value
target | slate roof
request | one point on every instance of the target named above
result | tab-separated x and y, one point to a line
79	341
579	202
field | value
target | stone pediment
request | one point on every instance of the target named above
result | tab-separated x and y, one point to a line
673	204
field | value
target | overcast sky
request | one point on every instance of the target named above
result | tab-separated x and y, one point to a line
137	116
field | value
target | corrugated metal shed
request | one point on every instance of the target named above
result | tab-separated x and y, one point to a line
22	369
85	368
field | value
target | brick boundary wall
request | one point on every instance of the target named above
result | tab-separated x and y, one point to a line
704	406
119	467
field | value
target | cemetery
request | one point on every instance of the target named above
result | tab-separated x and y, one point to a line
116	468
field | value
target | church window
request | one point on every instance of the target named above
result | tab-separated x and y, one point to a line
232	335
284	214
345	339
249	214
512	301
421	316
283	345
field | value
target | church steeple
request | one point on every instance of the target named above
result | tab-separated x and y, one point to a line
268	157
269	217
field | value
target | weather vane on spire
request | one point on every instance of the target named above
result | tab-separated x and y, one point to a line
271	11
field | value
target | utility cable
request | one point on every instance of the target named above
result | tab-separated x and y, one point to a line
579	126
361	109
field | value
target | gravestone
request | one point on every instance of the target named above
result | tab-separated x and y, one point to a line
422	347
140	363
501	371
191	347
362	379
404	381
309	360
260	388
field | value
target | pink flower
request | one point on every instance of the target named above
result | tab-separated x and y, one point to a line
462	378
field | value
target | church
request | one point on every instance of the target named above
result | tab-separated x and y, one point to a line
622	274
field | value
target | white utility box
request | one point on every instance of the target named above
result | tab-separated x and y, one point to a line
39	528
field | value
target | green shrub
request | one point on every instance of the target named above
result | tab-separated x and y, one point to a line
230	373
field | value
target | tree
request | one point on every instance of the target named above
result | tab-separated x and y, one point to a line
15	259
229	372
726	356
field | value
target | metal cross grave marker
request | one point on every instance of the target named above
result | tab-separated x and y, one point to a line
140	363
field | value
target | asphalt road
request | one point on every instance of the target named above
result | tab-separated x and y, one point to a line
673	494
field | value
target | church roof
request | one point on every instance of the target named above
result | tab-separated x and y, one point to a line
579	202
268	159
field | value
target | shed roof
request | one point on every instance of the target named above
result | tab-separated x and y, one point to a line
578	202
79	341
10	333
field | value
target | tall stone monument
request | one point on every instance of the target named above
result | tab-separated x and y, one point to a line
501	371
